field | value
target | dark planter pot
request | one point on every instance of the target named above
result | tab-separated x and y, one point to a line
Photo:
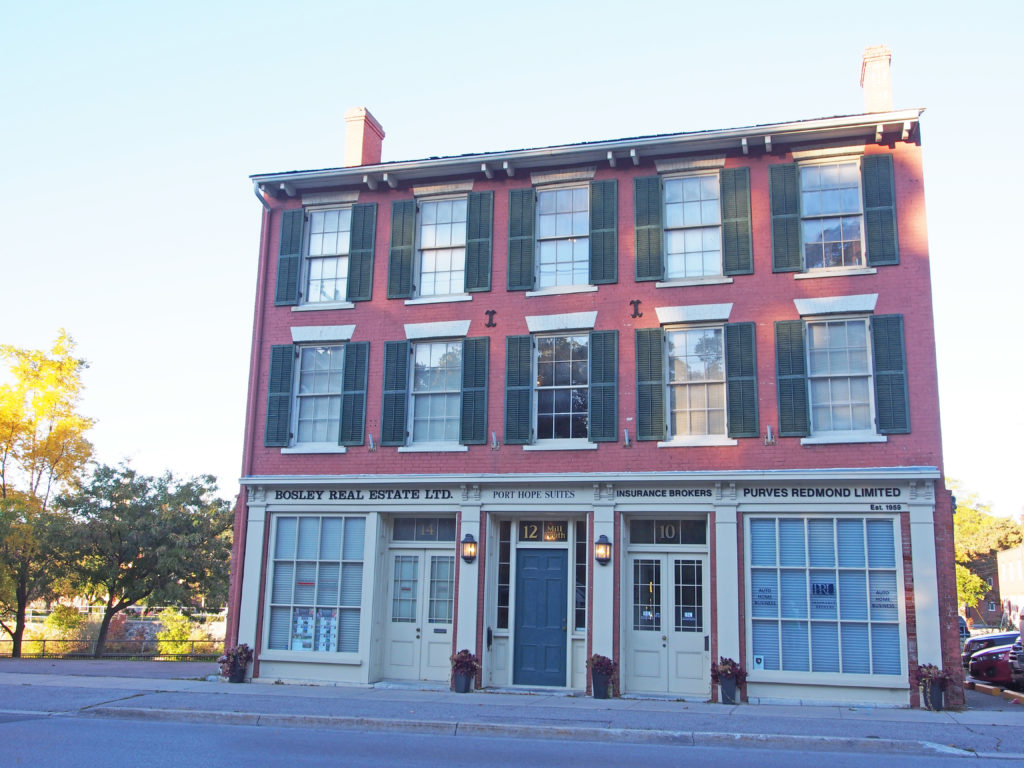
727	687
932	694
600	685
237	674
463	682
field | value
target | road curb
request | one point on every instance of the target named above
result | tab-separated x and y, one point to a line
507	730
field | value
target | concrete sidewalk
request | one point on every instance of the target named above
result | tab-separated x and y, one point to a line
181	692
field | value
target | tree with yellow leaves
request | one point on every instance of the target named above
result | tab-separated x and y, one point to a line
43	451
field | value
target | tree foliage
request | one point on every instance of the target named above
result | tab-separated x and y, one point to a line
136	538
970	588
43	450
977	532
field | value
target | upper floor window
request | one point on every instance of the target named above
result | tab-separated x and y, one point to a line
693	227
316	396
696	385
440	247
562	238
561	388
325	256
842	379
838	214
435	393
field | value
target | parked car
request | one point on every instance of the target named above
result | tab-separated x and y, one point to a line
1016	662
992	665
981	642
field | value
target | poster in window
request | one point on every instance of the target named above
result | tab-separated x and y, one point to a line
302	629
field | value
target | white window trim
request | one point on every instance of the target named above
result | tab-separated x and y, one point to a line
836	305
834	272
694	313
433	448
570	444
570	321
684	441
322	333
556	290
314	448
860	436
320	306
563	178
690	164
442	330
683	282
439	299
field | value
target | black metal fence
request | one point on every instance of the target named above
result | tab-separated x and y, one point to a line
151	650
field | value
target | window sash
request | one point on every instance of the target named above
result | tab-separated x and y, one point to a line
832	215
319	377
563	236
436	392
696	381
327	247
839	373
561	389
442	247
693	231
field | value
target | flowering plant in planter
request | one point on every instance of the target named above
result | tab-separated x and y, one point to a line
727	668
465	663
602	665
234	659
929	673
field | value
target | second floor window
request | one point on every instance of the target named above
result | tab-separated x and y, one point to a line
563	242
436	391
696	383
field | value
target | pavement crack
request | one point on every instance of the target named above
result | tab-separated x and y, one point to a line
110	701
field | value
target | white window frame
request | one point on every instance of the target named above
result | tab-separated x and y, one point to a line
693	440
556	443
307	260
290	653
855	679
432	445
683	228
573	286
328	446
868	435
418	296
805	217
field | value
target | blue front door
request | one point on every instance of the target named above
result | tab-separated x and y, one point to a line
540	644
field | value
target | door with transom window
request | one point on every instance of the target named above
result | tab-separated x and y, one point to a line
668	625
419	634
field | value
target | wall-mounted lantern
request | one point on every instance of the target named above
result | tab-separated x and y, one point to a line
602	550
468	548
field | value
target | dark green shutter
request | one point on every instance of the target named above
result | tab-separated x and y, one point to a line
396	393
289	258
521	213
892	406
879	210
353	393
741	379
602	406
650	384
473	429
791	378
518	389
360	252
400	259
650	260
785	200
479	224
737	250
279	396
604	232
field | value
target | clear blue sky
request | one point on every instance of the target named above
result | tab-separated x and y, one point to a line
129	130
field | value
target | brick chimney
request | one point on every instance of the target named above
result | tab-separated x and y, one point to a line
363	138
875	78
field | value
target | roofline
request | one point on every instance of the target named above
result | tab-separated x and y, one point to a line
873	126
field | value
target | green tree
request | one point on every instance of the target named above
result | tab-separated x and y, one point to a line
970	588
43	451
175	633
136	537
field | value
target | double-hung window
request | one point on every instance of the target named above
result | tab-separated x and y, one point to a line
316	583
825	595
833	214
563	237
316	396
696	384
560	389
435	393
325	256
842	378
694	227
440	247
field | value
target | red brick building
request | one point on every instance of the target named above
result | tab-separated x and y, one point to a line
664	398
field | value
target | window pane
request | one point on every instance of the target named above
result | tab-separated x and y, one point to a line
765	636
885	649
795	650
824	647
762	542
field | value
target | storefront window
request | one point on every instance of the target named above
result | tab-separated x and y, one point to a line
317	583
824	595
